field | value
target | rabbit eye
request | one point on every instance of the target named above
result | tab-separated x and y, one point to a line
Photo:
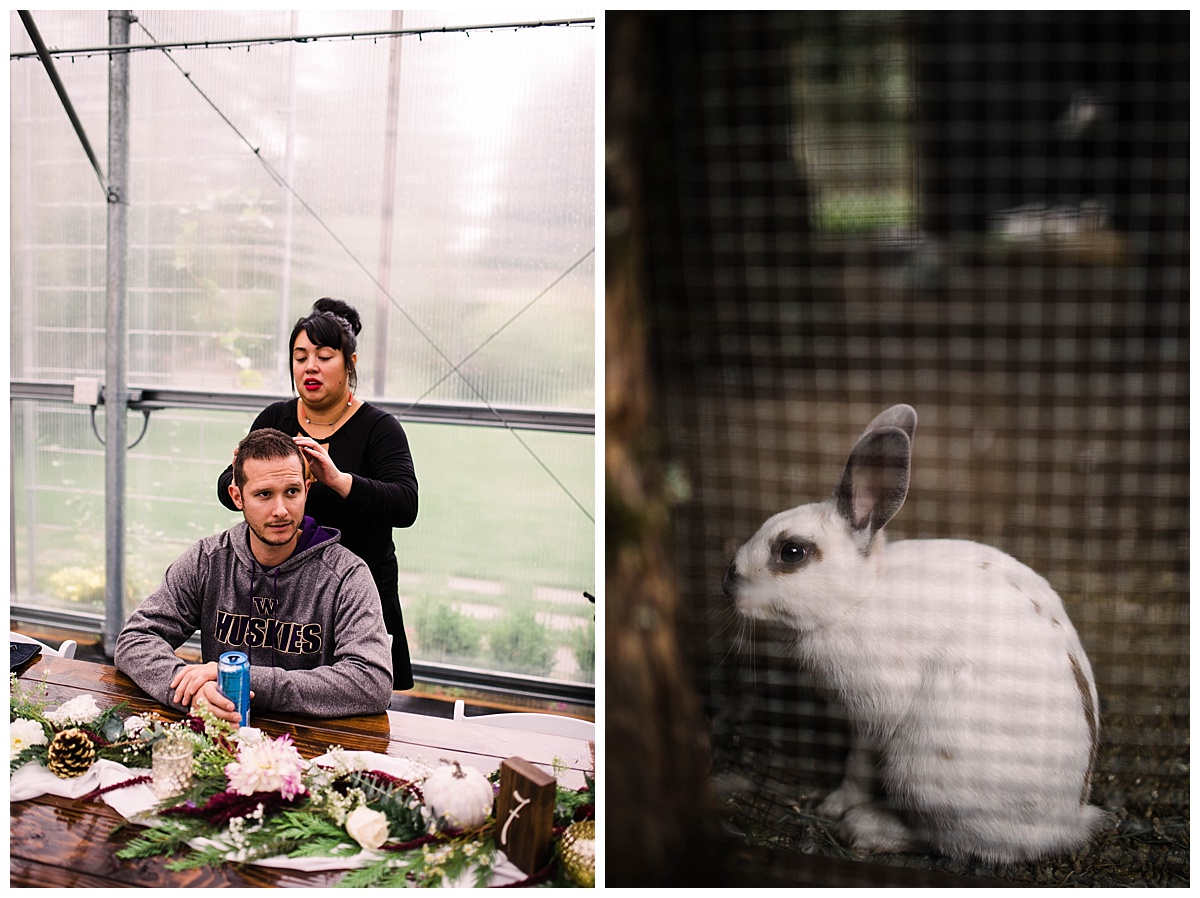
792	553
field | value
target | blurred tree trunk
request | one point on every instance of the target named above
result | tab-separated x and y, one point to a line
659	814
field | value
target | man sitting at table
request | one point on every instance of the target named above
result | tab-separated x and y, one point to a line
276	586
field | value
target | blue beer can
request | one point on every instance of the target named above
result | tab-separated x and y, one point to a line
233	673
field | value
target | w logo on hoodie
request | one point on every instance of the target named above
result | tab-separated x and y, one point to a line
265	605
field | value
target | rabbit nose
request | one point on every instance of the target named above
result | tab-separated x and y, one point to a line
732	580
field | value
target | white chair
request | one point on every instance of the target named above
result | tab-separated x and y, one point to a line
550	724
65	650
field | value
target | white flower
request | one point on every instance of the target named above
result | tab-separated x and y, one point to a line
79	710
366	827
22	734
135	724
337	805
341	763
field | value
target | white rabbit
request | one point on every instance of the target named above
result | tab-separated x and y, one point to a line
973	711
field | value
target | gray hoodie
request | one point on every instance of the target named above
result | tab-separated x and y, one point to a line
313	626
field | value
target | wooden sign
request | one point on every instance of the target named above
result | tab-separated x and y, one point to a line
525	814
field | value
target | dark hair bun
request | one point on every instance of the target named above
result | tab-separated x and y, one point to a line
342	310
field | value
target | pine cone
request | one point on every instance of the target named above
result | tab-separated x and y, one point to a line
70	753
577	851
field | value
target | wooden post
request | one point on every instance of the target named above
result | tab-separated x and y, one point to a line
525	814
663	826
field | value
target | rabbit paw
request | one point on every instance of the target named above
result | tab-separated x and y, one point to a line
848	795
874	829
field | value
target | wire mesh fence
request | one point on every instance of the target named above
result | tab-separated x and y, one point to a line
985	216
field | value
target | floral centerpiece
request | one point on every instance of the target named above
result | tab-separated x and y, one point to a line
253	798
70	738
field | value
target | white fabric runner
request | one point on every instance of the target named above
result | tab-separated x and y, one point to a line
138	801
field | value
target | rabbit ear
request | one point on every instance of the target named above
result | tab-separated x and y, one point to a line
902	416
875	480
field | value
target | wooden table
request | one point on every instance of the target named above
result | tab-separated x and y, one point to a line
63	842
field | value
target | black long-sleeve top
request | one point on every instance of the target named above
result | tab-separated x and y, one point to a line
373	448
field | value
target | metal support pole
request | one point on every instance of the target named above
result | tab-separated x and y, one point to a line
387	214
282	372
52	72
116	397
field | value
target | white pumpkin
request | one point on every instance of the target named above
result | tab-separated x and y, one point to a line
458	797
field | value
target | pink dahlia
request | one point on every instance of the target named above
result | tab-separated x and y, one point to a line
269	765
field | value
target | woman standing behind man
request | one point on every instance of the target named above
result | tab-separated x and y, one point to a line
365	483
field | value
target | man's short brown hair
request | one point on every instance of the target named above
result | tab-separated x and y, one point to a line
264	444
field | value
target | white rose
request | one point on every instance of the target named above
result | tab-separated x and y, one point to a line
366	827
81	709
248	735
23	733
